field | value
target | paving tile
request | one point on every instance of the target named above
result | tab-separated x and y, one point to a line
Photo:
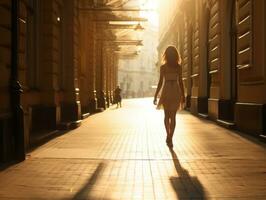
121	154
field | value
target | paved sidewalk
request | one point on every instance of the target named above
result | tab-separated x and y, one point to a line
121	154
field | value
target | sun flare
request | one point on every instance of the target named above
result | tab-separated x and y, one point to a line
150	7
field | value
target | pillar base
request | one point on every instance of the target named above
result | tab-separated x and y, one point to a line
188	102
43	120
92	105
6	139
213	108
70	112
69	125
111	98
226	114
251	118
101	100
107	100
43	117
226	110
199	106
194	105
203	105
263	138
84	109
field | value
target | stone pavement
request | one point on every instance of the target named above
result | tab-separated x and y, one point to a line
121	154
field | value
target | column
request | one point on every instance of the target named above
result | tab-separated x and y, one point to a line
91	62
47	108
70	107
100	75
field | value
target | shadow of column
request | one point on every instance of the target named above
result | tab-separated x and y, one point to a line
185	185
84	192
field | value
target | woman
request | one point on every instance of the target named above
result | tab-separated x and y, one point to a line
172	95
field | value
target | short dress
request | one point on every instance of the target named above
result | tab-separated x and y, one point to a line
171	92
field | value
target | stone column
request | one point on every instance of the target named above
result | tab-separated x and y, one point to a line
17	54
91	61
115	73
83	69
106	62
100	75
70	107
88	61
6	134
48	109
203	59
192	101
109	62
111	79
225	106
110	82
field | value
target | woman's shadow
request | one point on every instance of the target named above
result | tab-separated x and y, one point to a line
184	185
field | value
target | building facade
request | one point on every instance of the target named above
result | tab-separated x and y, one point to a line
137	73
56	66
223	47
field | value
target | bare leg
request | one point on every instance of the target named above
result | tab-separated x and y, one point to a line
167	122
172	122
172	126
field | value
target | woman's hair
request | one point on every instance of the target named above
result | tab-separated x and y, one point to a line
171	56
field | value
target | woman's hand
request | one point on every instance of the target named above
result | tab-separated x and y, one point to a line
155	101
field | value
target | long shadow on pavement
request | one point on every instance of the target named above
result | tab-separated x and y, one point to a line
185	185
84	192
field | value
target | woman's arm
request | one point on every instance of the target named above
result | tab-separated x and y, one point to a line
159	86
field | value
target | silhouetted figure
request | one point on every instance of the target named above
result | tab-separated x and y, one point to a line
118	97
194	188
172	95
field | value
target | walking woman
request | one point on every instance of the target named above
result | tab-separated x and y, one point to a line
172	95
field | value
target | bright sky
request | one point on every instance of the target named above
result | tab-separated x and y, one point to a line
153	14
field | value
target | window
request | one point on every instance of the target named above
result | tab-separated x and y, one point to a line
244	33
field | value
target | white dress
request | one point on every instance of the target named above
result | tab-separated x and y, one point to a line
171	92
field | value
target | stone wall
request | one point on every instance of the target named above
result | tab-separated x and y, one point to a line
56	55
6	140
222	44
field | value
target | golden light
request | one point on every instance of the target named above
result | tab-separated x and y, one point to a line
151	13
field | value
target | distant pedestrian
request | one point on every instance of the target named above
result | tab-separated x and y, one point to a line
118	97
172	95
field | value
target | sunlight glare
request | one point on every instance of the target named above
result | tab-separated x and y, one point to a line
152	13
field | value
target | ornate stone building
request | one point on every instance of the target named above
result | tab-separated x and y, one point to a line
57	65
137	73
223	46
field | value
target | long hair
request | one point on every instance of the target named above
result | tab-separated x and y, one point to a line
171	56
